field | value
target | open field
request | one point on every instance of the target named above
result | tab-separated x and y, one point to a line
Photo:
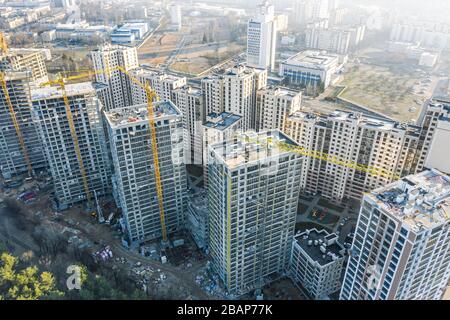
199	45
195	63
397	95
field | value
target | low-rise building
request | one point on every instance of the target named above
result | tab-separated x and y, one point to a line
317	262
312	68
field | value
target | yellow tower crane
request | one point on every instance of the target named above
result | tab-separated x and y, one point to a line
151	95
61	83
3	43
12	113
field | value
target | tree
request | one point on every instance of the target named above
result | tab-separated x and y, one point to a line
25	284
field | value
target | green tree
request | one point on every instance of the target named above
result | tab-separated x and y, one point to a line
24	284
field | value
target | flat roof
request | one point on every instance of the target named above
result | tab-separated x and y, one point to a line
251	147
311	242
363	119
421	201
139	113
147	71
221	121
312	59
281	91
81	88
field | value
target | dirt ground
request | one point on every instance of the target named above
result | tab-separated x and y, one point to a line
283	289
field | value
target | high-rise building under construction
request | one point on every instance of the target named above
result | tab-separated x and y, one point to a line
135	181
252	192
20	147
75	145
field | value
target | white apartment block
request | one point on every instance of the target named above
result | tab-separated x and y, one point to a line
434	125
401	248
190	102
252	194
306	11
234	91
175	16
351	138
317	262
106	61
134	178
32	60
438	154
262	38
12	156
428	34
218	127
213	94
162	83
273	105
60	148
331	39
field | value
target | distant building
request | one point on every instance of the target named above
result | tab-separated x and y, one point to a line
401	246
262	37
310	68
317	262
175	16
27	60
428	59
106	61
234	91
332	40
82	32
162	83
134	180
129	33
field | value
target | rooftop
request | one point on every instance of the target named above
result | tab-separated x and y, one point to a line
281	92
346	116
312	59
421	201
151	72
321	246
81	88
139	113
250	147
221	121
